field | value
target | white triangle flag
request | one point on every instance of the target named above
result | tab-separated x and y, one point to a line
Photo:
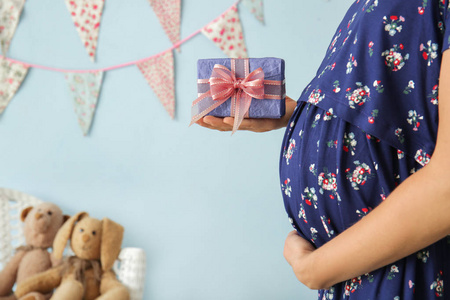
168	13
86	16
84	89
158	71
226	33
10	11
256	8
11	76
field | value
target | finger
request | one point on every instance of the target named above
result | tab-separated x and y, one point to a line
293	233
243	126
292	236
256	125
203	124
229	121
217	123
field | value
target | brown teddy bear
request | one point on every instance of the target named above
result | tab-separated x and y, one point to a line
87	275
41	223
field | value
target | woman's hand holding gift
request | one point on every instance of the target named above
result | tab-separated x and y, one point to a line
255	125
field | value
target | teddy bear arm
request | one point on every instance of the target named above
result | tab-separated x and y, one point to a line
111	288
9	274
55	261
43	282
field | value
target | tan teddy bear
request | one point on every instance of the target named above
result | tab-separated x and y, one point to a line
88	274
41	223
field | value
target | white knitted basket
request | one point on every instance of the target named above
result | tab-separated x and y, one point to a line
130	270
11	232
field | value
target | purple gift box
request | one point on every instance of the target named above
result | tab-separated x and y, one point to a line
273	104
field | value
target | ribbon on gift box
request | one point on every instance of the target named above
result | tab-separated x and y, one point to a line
225	84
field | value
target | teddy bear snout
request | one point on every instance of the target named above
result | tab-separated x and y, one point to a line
38	215
85	238
42	222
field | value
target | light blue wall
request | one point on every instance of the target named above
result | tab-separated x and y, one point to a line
206	207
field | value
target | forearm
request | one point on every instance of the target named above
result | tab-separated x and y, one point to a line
414	215
403	224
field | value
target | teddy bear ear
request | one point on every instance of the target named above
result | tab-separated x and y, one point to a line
112	234
65	218
25	212
64	234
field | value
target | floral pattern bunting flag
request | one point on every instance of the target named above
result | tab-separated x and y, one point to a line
256	8
168	13
226	33
85	89
11	76
86	15
158	71
10	11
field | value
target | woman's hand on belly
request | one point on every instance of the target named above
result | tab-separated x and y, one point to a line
297	252
255	125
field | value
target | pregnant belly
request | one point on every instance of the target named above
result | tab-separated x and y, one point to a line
333	174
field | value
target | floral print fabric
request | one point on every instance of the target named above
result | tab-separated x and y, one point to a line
10	11
366	122
332	175
11	77
84	89
226	32
381	71
86	16
256	8
168	12
158	71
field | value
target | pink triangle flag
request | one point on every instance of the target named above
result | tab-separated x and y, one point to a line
256	8
86	15
10	11
85	89
168	13
226	33
11	76
158	71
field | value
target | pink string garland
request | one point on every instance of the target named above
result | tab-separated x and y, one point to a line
174	46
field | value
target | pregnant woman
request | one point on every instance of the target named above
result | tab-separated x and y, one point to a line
365	158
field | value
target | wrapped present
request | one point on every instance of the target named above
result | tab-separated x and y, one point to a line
240	88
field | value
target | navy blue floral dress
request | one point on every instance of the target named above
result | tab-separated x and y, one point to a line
366	122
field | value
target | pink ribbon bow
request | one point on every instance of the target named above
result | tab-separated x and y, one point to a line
223	86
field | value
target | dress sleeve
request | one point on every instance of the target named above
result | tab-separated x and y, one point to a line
445	9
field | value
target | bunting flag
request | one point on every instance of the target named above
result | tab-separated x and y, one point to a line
85	89
256	8
86	15
226	33
11	76
168	13
158	71
85	85
10	11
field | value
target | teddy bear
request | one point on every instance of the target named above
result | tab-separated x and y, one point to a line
88	274
41	223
